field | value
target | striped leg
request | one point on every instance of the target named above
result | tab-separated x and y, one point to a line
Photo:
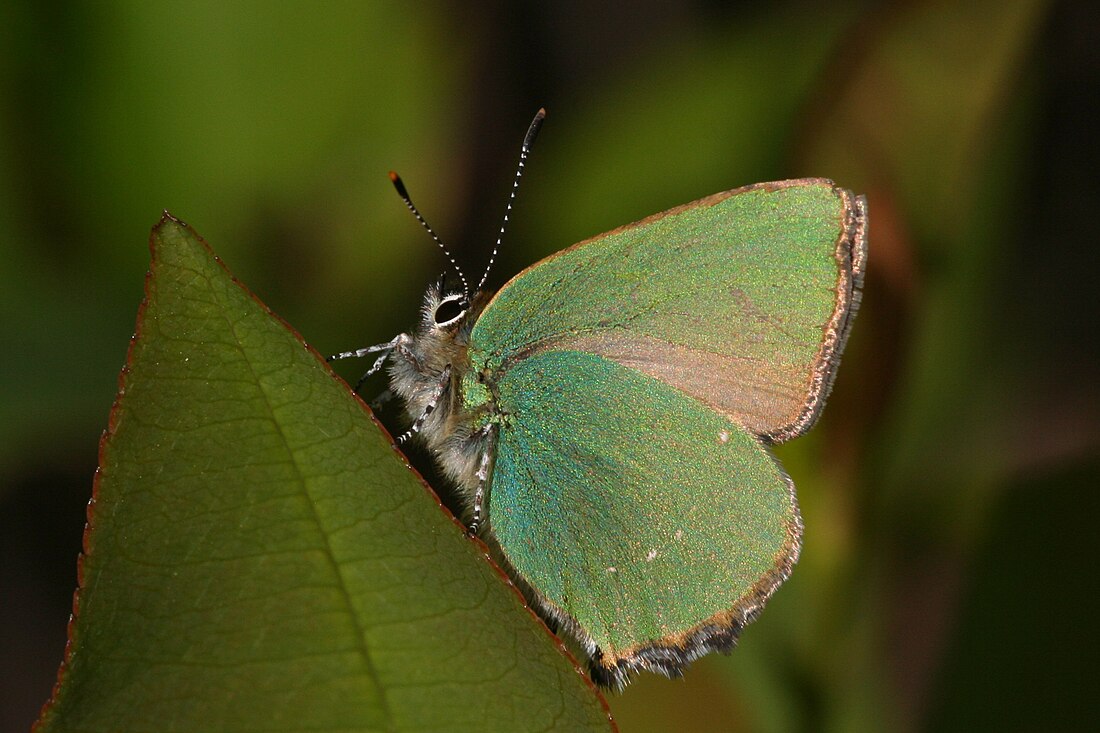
484	469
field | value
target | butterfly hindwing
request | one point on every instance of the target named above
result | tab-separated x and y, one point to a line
650	521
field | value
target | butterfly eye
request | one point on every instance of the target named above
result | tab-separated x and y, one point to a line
449	310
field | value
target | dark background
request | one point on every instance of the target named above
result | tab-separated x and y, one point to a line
950	490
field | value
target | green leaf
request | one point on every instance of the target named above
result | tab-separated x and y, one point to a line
259	557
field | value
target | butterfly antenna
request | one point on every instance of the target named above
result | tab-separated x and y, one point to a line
404	194
528	140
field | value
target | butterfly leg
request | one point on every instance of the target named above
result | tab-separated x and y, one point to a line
398	340
383	398
441	388
374	368
488	434
398	343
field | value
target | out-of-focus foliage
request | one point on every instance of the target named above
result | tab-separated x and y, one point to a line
948	488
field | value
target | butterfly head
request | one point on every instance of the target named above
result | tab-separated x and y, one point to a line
449	315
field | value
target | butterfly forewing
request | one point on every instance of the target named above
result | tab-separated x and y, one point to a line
741	300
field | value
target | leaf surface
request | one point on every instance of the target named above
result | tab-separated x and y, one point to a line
259	557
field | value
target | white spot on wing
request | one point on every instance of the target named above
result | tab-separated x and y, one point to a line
724	436
651	556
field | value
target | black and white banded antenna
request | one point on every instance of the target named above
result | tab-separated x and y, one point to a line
404	194
528	140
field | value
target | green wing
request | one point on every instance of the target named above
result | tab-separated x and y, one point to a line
742	300
652	522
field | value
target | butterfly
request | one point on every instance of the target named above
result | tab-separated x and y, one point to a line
608	413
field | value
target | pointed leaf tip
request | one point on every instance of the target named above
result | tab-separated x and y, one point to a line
259	553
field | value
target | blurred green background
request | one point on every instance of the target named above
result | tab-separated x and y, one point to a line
948	490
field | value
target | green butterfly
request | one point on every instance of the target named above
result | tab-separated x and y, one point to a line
608	412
